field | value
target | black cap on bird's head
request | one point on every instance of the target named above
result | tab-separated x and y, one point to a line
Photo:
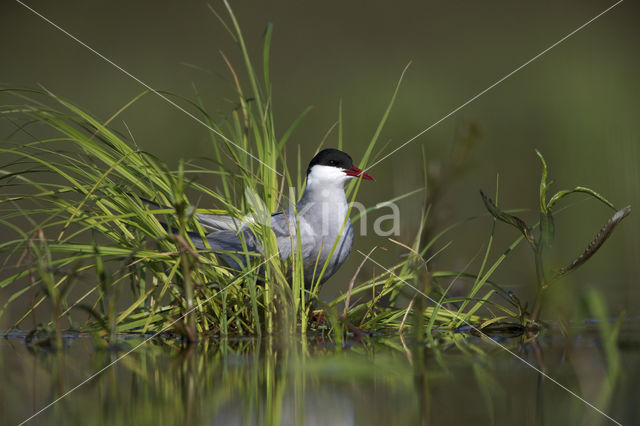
341	160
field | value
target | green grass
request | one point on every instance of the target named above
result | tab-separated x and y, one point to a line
546	232
86	248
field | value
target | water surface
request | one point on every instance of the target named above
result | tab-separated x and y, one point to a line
459	379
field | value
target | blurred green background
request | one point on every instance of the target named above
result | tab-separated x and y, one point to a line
578	104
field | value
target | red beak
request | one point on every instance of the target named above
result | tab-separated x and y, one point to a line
356	172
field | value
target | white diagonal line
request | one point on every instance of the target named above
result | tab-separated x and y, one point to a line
495	84
175	105
137	346
439	305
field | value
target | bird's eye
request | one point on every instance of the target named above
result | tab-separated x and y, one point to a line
332	162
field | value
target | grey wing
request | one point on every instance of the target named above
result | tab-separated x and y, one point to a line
284	228
226	237
344	246
213	222
340	254
230	247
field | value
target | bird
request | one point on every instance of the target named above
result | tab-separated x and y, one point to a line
321	214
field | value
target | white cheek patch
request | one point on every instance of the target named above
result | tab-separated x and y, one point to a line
326	175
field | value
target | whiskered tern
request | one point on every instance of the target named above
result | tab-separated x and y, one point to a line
321	214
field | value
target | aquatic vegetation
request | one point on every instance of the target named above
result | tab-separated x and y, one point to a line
262	381
546	232
90	252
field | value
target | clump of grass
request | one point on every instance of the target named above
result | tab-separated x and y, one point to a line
90	234
82	191
546	232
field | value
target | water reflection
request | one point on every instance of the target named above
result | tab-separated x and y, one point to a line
461	380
